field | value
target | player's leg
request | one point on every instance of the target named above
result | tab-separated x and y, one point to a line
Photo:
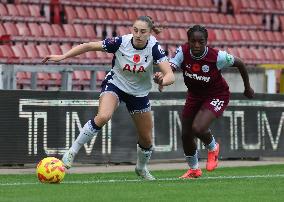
143	123
211	109
190	109
140	110
108	102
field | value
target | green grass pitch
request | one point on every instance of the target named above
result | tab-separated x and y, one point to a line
259	183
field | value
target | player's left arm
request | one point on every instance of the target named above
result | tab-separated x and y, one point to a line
248	92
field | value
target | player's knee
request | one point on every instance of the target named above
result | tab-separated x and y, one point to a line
104	118
198	130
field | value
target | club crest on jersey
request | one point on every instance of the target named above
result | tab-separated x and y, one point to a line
205	68
136	58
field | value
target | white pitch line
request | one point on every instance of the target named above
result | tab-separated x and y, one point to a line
139	180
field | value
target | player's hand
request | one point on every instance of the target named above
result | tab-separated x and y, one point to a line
53	58
158	78
249	92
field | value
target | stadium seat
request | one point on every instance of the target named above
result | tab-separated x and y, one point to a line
36	30
47	30
54	49
31	51
11	29
69	30
70	13
12	10
3	10
34	10
81	12
19	51
23	30
58	31
23	10
90	31
42	50
92	15
80	30
2	30
131	14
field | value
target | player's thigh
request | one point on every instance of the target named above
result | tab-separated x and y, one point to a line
203	120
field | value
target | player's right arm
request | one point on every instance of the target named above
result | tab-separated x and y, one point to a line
77	50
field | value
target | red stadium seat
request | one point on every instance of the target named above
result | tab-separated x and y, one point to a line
35	29
54	49
80	30
69	30
19	51
23	10
131	14
220	36
58	31
81	12
101	13
12	10
11	28
70	13
42	50
111	14
121	14
3	10
23	30
90	31
31	51
2	30
34	10
47	30
206	18
91	13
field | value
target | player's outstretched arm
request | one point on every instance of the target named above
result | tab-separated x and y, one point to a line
248	92
77	50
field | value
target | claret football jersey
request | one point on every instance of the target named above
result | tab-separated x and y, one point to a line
202	74
132	68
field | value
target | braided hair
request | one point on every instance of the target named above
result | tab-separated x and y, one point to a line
197	28
150	23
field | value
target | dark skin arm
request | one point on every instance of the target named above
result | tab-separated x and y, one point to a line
248	92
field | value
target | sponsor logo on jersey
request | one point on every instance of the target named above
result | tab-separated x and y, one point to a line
205	68
196	77
136	58
134	69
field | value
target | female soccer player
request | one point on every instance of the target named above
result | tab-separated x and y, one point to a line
129	81
208	94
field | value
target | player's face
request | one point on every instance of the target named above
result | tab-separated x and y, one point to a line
141	33
197	43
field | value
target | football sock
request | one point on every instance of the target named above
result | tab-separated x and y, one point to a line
89	130
212	145
143	156
192	161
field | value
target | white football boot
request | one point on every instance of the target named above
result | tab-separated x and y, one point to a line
144	174
68	159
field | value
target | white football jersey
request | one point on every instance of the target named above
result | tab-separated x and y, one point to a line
132	67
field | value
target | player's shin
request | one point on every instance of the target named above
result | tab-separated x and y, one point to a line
89	131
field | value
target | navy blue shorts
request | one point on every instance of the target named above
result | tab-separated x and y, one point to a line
133	104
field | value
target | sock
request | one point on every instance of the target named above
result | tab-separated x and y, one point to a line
192	161
212	145
143	156
89	130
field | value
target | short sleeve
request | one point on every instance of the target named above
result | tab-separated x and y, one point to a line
224	59
177	60
159	54
111	45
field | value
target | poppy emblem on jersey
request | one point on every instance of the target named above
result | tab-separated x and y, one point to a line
205	68
195	67
136	58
